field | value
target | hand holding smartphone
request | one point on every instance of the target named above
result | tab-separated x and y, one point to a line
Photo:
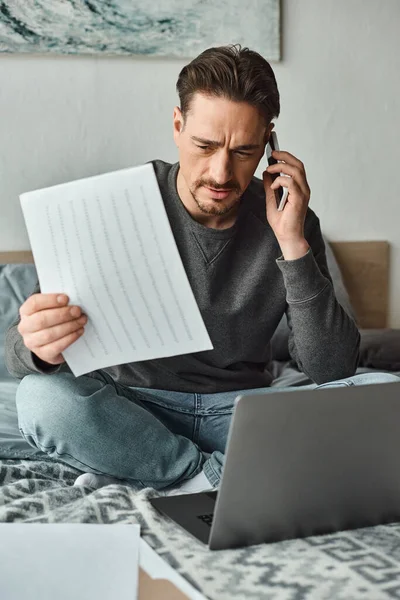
281	192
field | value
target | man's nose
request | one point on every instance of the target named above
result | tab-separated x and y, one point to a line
221	168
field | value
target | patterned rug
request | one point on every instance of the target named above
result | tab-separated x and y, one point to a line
357	565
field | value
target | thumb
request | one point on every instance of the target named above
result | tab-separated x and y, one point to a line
270	195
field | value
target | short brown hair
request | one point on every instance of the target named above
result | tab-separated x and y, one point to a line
232	72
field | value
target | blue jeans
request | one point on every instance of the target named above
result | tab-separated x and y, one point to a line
142	436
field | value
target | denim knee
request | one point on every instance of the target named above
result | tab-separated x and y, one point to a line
45	402
57	414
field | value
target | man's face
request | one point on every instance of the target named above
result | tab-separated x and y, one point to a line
220	145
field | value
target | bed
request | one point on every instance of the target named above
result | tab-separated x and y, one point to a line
360	564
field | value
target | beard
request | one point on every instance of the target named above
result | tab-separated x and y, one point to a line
217	208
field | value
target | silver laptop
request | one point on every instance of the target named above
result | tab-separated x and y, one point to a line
299	464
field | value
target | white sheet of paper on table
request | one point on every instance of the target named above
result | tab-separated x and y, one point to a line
65	561
106	242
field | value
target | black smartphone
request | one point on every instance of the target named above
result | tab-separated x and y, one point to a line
281	193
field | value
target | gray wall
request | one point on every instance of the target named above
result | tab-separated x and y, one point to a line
64	117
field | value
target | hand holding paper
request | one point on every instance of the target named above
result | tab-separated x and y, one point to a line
106	242
48	326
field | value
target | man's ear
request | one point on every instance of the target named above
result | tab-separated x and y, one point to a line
178	123
268	132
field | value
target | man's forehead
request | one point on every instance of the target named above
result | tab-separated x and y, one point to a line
211	118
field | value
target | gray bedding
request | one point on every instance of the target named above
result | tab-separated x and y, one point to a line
362	564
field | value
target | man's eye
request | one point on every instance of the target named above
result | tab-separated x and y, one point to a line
203	147
243	153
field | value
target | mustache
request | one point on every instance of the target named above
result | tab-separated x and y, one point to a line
229	185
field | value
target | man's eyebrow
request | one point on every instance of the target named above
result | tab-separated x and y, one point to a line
215	144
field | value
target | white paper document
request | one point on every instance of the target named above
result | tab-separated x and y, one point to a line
69	561
106	242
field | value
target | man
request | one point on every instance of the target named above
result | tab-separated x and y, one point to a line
163	423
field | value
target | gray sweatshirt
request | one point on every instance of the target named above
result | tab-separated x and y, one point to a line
242	286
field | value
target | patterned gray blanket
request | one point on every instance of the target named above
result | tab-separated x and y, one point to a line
362	564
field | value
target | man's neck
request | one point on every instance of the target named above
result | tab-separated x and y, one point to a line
211	221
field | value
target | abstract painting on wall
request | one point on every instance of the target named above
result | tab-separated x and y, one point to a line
172	28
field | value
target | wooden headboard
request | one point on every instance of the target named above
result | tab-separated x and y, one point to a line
365	270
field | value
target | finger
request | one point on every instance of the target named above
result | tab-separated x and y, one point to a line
271	196
52	334
51	352
44	319
284	168
282	181
295	193
38	302
288	158
293	172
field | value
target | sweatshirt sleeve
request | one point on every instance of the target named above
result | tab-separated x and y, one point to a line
324	340
20	361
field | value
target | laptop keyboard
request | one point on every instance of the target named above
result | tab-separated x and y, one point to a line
207	519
